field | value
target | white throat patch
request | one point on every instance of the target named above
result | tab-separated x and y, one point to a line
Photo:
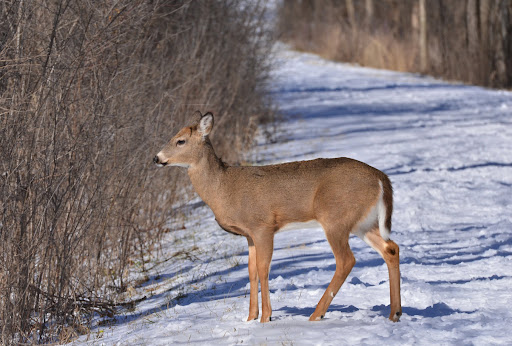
186	165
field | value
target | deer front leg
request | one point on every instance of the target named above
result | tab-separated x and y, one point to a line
264	244
253	278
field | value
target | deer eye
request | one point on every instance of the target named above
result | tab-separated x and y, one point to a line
180	142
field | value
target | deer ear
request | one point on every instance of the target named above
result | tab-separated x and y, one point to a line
205	124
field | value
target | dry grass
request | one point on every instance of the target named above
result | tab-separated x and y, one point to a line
378	50
90	92
467	40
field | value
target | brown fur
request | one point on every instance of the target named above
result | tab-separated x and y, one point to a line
257	201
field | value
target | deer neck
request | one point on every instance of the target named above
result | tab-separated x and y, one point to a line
206	175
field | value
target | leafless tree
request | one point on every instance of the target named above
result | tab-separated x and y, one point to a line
89	90
463	40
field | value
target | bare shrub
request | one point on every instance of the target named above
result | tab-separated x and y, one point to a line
90	91
466	40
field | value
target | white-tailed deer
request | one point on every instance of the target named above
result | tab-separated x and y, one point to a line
344	195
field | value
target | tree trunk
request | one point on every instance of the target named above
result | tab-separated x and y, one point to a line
508	44
483	21
351	13
368	6
502	43
473	40
423	36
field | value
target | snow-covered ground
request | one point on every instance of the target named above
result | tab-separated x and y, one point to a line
448	151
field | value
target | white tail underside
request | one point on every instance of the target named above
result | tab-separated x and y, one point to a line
381	212
377	214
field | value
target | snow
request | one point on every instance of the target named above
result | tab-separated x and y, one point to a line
448	151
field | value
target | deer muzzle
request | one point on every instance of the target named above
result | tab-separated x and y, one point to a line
157	161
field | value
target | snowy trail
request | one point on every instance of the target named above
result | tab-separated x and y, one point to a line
448	151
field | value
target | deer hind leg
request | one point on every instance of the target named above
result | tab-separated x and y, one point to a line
389	251
345	261
253	278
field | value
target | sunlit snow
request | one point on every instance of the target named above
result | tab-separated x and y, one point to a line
448	151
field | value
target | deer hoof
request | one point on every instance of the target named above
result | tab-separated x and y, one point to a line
252	318
395	317
266	319
316	318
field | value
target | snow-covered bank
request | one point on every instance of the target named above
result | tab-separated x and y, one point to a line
448	151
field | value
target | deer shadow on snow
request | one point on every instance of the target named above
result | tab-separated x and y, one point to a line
286	267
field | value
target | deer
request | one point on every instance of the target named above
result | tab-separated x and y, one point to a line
343	195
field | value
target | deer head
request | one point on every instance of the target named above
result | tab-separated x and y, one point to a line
188	146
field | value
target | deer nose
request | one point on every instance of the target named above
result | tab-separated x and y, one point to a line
156	160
